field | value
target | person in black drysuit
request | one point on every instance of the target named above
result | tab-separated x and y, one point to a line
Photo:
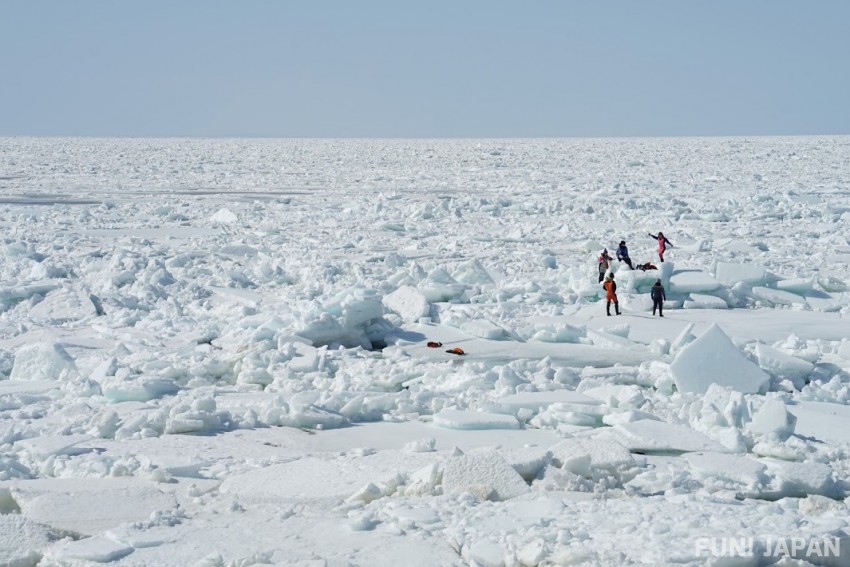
662	244
623	254
658	297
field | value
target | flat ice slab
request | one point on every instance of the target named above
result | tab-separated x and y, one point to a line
461	419
539	400
661	437
687	281
89	506
321	482
486	473
729	273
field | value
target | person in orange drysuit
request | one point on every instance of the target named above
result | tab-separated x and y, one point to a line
611	294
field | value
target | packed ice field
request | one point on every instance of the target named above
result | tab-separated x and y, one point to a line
213	352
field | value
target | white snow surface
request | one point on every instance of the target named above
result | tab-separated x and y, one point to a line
214	352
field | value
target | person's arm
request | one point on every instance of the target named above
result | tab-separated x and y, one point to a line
663	295
668	242
613	286
653	236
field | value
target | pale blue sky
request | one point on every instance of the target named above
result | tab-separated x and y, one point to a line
463	68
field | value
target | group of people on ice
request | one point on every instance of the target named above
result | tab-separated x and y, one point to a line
610	286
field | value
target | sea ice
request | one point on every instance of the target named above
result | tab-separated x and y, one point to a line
485	473
660	437
781	364
713	359
728	273
408	302
688	281
777	296
773	417
42	361
460	419
703	301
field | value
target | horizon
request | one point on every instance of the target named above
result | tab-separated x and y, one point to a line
425	138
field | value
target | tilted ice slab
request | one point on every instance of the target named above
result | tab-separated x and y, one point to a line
612	341
799	286
42	361
408	302
538	400
736	468
486	474
225	216
580	456
692	281
658	436
46	445
14	293
11	388
483	328
98	549
64	305
713	359
778	296
22	540
463	419
89	505
729	273
773	418
800	479
822	421
321	482
781	364
702	301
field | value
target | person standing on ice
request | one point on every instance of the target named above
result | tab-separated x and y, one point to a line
611	294
604	263
658	297
623	254
662	244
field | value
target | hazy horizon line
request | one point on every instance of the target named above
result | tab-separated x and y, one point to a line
274	137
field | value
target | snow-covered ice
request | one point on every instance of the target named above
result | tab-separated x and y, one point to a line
215	352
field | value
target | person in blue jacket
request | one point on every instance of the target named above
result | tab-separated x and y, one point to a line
623	254
658	297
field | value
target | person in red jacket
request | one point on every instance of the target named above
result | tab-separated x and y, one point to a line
604	263
662	244
611	294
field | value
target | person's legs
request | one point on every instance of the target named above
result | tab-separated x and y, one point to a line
616	306
654	307
661	309
608	307
629	262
